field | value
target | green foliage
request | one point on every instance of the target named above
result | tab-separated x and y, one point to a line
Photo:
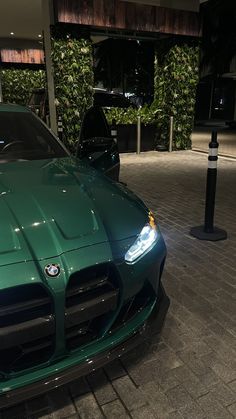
130	115
73	76
176	78
18	84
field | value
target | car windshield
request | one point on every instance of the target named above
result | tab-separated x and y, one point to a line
24	137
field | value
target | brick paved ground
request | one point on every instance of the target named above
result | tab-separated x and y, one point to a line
190	372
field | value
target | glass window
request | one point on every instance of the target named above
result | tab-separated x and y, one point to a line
23	136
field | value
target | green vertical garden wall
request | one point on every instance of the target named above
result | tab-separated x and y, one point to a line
73	77
176	78
17	84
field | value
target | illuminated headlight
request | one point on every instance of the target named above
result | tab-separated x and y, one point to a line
144	242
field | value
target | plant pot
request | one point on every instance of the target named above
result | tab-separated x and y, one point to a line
127	137
161	147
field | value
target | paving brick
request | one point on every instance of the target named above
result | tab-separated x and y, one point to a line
232	385
225	372
173	415
130	395
61	403
102	389
143	413
167	379
232	409
210	378
223	349
179	397
192	411
212	408
142	373
88	407
169	358
223	394
115	410
157	399
194	386
193	361
173	339
183	373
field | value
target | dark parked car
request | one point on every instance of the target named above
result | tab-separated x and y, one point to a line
95	123
81	258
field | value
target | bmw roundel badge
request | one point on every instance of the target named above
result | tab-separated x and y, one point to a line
52	270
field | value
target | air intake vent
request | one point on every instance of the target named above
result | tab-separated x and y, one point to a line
27	327
91	297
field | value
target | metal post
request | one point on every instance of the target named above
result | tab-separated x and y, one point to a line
1	98
48	121
208	231
114	130
46	14
171	133
138	135
211	183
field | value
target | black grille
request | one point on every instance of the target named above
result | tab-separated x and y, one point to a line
27	328
91	297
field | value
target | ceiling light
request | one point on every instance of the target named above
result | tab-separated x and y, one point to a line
39	35
12	33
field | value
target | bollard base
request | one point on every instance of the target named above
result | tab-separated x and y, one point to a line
201	234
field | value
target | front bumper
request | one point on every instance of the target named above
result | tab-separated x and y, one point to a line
153	324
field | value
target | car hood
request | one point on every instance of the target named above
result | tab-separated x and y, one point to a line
48	207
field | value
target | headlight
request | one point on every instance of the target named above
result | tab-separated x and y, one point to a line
144	242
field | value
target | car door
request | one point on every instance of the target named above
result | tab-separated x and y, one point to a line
96	144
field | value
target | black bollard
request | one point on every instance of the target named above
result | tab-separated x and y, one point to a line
208	231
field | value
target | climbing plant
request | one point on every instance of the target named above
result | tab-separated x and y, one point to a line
176	78
73	77
17	84
148	115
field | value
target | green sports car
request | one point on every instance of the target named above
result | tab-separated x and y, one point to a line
81	257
